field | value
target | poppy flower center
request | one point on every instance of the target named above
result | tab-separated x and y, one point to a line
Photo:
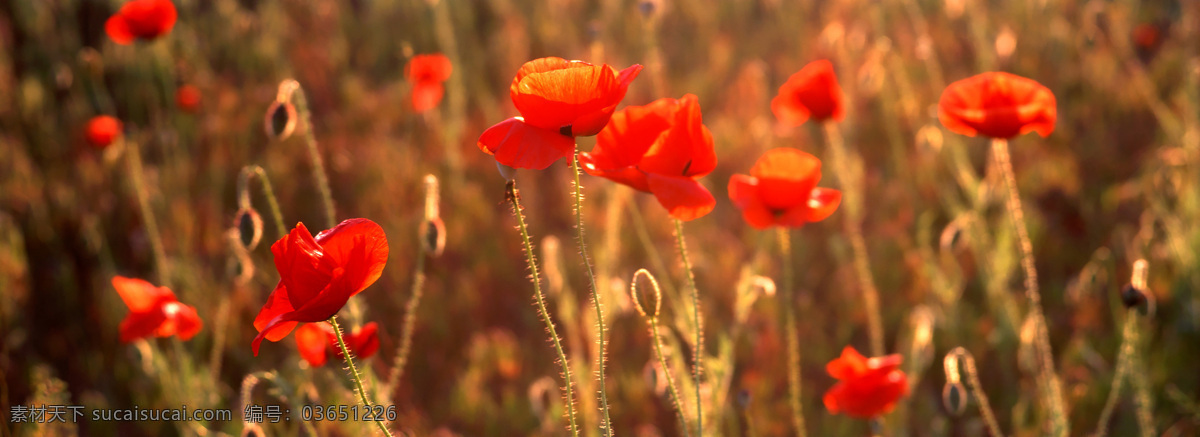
565	130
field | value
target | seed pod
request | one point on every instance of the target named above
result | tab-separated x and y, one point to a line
954	398
280	120
249	225
433	236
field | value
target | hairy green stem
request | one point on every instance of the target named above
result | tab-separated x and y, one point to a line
788	301
952	377
852	218
1048	379
514	198
587	263
698	349
134	160
318	170
358	384
410	317
249	172
652	320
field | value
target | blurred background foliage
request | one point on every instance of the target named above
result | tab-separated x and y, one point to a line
1117	181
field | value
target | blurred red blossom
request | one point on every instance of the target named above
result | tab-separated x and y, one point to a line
427	72
187	98
813	92
154	311
317	276
998	105
558	100
866	388
102	130
781	190
660	148
317	341
141	19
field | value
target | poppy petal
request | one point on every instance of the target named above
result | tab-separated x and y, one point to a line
426	95
366	340
311	342
181	320
785	176
558	98
434	67
141	296
593	122
118	29
630	176
743	191
822	203
684	198
998	105
849	365
361	246
303	267
811	92
686	149
519	145
631	132
140	325
277	305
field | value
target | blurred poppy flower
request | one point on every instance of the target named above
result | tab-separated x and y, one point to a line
866	388
102	130
1146	36
660	148
781	190
558	100
813	92
141	19
427	72
318	275
154	311
316	342
997	105
187	98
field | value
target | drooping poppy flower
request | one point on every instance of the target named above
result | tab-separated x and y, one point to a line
660	148
102	130
318	275
154	311
781	190
317	342
997	105
427	72
813	92
141	19
866	388
558	100
187	98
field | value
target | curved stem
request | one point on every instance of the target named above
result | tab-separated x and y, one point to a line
410	317
587	262
134	160
318	170
652	320
510	192
1046	374
788	301
698	348
362	393
952	377
852	217
249	172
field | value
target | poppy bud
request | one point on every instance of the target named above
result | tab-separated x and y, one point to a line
433	236
633	293
431	197
1131	296
102	130
954	398
249	225
280	120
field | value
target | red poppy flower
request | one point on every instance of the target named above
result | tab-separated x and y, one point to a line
316	342
102	130
1146	36
427	72
660	148
558	100
318	275
141	19
187	98
154	311
997	105
867	388
781	190
813	92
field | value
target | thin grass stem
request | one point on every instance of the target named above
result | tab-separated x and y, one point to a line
358	384
1048	379
514	198
310	141
652	320
788	301
698	348
953	378
587	263
134	160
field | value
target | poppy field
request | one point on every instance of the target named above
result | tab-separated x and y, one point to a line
640	217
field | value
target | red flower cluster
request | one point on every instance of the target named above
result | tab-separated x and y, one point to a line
141	19
781	190
558	100
660	148
154	311
427	72
867	388
318	275
102	130
317	341
813	92
997	105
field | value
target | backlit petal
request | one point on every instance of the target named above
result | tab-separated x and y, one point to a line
358	245
684	198
517	144
312	342
139	295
